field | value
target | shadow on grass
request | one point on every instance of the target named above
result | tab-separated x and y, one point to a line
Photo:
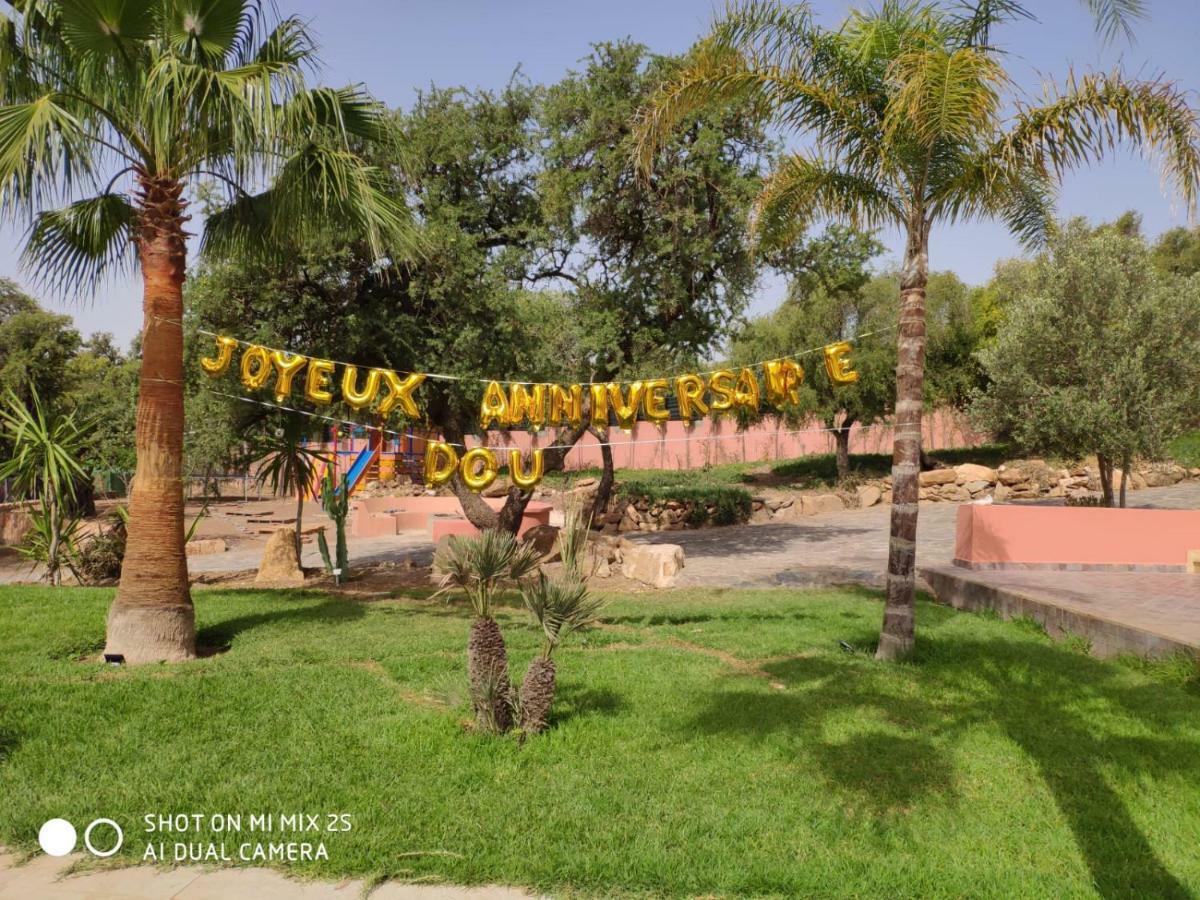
295	607
577	701
1029	692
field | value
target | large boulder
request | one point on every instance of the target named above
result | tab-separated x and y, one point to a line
868	495
968	472
280	566
815	504
544	538
938	476
652	564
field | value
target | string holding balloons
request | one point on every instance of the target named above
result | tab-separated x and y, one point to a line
722	392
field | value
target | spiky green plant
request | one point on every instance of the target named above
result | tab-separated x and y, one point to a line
559	607
47	448
909	118
335	500
112	114
480	566
573	537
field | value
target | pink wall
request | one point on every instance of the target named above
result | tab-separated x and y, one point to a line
678	446
998	536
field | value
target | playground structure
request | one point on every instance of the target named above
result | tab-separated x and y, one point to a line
364	455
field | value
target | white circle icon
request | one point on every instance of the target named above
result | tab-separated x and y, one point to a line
57	837
87	838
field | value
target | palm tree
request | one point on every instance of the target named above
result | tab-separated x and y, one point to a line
912	120
132	105
480	566
289	465
46	450
559	607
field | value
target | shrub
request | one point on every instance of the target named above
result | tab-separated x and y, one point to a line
730	504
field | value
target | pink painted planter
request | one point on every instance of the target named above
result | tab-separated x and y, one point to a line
380	516
1062	537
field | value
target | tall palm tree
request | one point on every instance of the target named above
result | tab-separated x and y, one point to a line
132	105
912	120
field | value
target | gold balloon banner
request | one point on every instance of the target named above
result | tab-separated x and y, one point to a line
524	405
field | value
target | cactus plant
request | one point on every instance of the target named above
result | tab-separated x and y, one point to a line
335	500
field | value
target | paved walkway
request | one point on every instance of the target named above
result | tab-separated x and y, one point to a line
46	878
840	548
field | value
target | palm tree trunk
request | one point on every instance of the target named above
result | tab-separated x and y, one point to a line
537	694
841	436
897	635
152	618
487	674
299	515
52	551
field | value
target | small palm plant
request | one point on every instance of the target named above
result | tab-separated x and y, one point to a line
559	607
46	451
481	566
288	463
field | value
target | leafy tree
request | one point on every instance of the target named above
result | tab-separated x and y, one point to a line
45	462
35	347
911	120
138	101
659	267
828	300
1102	356
104	384
1177	251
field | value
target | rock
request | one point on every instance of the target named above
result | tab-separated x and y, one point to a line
208	546
653	564
544	538
497	488
975	487
280	566
1011	476
815	504
760	515
1001	493
585	483
969	472
791	512
777	503
938	476
868	495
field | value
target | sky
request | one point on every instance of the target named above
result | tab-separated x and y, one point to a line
399	47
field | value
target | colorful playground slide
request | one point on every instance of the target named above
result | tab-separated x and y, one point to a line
361	463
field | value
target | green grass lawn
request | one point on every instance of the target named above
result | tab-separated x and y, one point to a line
705	743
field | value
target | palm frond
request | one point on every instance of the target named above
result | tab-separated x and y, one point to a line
1115	18
44	153
81	244
206	31
803	188
982	185
944	95
107	27
560	607
1095	113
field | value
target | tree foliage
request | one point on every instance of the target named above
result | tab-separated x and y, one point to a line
1101	356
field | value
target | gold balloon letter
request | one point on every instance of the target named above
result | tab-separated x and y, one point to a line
316	382
215	367
721	385
689	391
599	416
527	403
745	392
783	377
440	462
399	393
520	477
286	367
838	364
653	402
566	405
353	397
486	474
256	367
493	408
625	408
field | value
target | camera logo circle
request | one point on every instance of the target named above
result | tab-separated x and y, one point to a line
57	837
87	838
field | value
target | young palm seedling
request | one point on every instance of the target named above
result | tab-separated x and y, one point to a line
480	566
560	607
